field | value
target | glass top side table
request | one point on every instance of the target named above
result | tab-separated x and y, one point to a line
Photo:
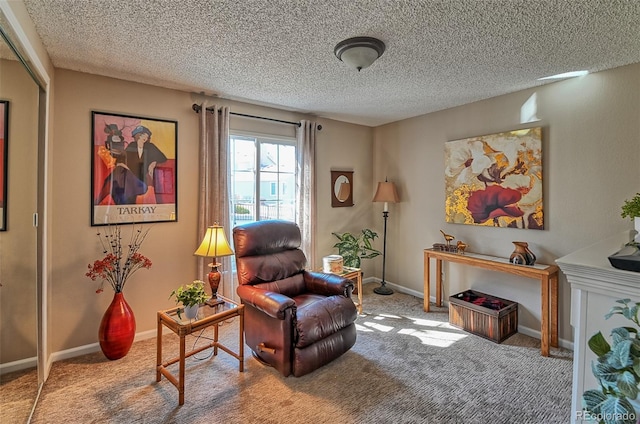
207	316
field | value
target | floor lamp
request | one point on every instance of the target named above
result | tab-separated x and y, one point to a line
386	193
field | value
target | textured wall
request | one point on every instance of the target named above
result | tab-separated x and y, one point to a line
591	147
75	309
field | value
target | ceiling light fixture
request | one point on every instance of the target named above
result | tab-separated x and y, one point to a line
571	74
359	52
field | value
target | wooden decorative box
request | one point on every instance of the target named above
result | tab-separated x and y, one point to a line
484	315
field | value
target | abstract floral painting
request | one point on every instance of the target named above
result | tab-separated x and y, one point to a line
495	180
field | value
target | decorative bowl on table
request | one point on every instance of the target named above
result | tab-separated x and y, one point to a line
627	258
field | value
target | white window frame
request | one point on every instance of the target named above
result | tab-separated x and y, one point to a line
260	139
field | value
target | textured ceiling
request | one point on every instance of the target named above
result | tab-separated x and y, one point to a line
279	53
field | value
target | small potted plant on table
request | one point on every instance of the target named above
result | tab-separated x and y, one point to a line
631	209
191	296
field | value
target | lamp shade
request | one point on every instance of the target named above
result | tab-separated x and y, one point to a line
386	192
214	244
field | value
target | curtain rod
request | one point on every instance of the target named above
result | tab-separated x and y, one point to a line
198	108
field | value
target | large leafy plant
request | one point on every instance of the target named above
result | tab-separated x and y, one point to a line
617	370
353	249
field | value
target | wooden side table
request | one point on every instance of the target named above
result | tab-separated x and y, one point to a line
207	316
355	275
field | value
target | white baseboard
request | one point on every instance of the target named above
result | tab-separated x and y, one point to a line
95	347
566	344
19	365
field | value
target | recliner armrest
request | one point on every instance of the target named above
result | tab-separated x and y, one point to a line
327	284
271	303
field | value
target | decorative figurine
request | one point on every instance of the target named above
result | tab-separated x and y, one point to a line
461	247
447	238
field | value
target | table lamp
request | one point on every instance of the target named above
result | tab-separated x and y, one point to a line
386	193
215	245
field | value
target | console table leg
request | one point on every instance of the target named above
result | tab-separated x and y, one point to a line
544	319
554	310
438	282
427	282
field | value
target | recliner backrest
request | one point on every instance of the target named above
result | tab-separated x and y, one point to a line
268	252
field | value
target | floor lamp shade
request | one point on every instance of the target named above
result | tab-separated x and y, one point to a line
386	193
214	245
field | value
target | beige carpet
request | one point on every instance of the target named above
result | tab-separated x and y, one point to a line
407	366
18	391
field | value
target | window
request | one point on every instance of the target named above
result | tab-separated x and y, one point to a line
263	178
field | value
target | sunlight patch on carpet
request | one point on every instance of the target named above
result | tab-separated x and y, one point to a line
431	323
384	316
438	333
379	327
434	338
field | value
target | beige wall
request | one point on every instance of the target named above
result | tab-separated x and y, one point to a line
590	133
590	165
75	308
353	153
591	151
18	243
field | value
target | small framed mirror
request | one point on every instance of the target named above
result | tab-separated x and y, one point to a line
341	188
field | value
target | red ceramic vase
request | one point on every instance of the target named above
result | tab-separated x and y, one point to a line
117	328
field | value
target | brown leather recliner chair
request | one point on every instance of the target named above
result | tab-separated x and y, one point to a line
295	320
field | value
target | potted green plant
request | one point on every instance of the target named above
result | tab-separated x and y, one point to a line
191	296
353	249
617	370
631	209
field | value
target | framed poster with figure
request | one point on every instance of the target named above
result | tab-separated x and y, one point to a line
134	162
4	132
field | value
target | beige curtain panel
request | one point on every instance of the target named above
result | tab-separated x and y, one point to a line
306	188
213	205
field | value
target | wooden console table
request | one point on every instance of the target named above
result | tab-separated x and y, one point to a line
547	274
